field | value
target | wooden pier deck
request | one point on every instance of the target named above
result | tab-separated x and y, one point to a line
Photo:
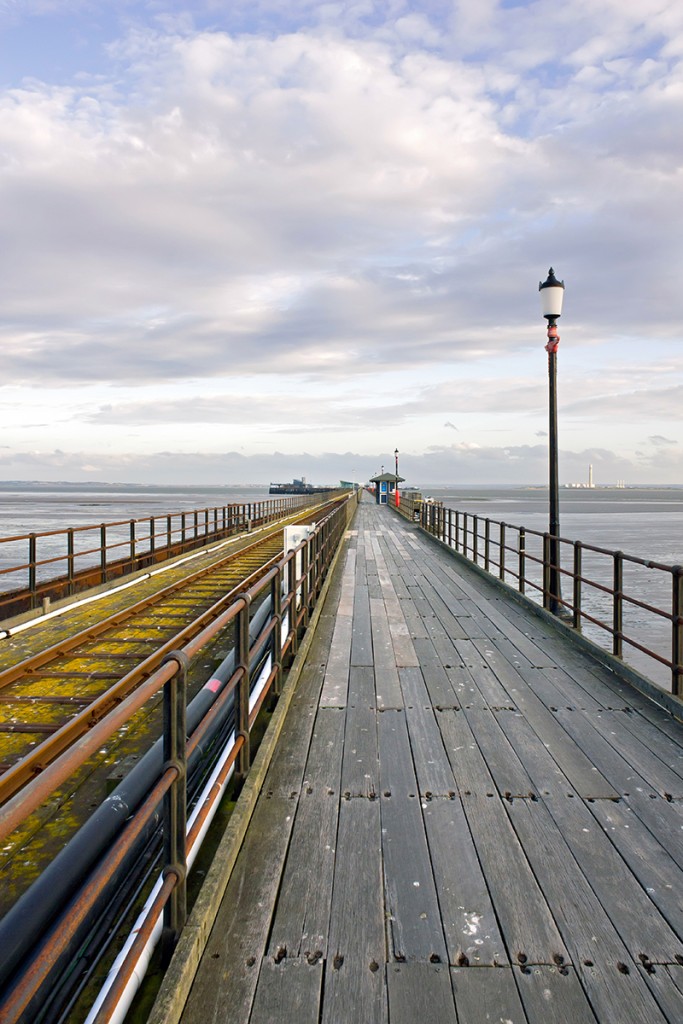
465	819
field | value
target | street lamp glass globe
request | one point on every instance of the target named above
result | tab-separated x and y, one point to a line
552	293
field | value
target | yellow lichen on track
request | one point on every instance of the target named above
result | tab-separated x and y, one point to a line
48	694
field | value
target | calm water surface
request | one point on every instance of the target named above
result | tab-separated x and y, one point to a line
642	522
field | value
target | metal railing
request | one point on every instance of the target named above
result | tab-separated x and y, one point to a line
264	644
630	606
59	563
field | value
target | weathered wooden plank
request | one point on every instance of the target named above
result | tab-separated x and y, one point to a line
414	924
648	749
640	925
553	730
609	762
303	908
583	692
436	679
397	772
605	967
541	678
288	990
554	767
443	618
289	759
420	992
362	685
666	985
445	585
553	995
433	769
470	770
335	683
412	618
663	818
413	918
360	765
469	920
487	995
654	867
361	640
619	994
389	693
530	938
489	691
507	770
355	985
663	720
233	954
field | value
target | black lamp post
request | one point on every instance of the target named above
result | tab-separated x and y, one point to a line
397	497
552	294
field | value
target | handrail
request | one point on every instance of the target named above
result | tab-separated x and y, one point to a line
259	661
604	593
59	563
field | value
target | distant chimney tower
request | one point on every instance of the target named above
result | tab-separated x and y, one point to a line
590	477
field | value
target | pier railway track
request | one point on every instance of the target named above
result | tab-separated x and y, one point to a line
55	695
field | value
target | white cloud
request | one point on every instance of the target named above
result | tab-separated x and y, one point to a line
346	195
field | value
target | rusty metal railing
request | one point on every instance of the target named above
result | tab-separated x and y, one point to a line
59	563
630	606
292	596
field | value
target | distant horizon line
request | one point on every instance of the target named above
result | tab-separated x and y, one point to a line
92	485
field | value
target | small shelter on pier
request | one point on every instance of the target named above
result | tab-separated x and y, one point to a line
385	484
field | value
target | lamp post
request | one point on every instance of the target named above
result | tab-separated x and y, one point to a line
397	495
552	293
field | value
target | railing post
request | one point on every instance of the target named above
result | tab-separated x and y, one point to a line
546	571
169	532
464	534
32	558
305	579
131	543
501	550
521	582
70	558
457	530
293	610
475	539
618	605
152	535
103	552
242	689
487	544
276	607
677	630
175	800
578	570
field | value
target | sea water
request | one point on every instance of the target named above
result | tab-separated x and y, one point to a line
644	522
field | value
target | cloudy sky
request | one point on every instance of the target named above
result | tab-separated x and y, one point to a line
247	241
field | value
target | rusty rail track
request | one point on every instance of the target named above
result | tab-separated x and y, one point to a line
50	699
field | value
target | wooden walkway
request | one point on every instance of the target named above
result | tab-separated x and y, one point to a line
465	820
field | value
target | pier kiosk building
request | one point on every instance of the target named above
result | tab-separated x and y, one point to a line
385	484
